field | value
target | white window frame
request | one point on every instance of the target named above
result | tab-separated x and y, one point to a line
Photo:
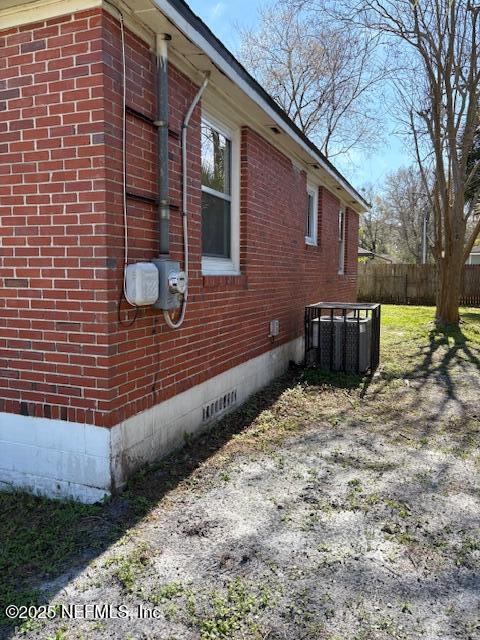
342	212
312	240
227	266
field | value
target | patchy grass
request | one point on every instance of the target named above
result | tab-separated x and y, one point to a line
315	511
412	343
129	567
226	614
38	537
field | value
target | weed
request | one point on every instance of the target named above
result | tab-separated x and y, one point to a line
129	567
170	611
32	624
465	554
167	592
372	499
401	508
230	612
310	521
406	607
354	483
404	538
41	538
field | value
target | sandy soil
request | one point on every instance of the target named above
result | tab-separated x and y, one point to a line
337	513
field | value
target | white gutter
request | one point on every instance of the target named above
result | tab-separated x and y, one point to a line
181	23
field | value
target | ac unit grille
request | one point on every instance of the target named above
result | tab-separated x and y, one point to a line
350	349
343	336
214	409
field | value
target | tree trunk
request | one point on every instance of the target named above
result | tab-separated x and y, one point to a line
449	291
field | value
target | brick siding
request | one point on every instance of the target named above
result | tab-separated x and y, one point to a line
63	352
53	270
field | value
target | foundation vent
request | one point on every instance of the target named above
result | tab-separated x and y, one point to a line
220	405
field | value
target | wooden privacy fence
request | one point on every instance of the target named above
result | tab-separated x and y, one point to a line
411	284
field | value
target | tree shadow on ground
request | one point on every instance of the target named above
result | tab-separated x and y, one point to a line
448	349
43	541
45	544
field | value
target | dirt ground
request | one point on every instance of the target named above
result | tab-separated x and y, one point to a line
326	508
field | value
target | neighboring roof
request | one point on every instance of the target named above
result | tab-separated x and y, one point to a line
475	250
201	28
366	253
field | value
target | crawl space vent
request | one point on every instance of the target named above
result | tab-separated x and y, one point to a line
215	408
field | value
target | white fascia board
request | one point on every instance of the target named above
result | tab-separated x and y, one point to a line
16	13
183	25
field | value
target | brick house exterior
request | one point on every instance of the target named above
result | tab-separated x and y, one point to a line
90	391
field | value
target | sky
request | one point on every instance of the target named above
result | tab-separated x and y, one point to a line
224	18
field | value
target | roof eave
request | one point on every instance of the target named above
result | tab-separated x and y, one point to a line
197	31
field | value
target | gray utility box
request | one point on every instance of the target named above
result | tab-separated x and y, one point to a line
167	299
351	347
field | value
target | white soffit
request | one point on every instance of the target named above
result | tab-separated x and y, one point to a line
15	12
192	51
196	50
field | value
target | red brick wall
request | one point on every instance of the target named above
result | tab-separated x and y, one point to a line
63	351
322	261
53	269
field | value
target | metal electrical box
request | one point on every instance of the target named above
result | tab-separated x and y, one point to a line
172	284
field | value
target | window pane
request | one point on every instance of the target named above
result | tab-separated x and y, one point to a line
309	215
341	225
215	159
215	226
341	241
341	257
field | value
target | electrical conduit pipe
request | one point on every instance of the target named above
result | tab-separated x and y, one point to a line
178	323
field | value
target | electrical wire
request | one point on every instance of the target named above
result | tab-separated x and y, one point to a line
121	322
124	161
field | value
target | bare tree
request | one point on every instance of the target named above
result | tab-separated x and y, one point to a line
438	74
395	223
473	159
378	232
320	73
407	202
